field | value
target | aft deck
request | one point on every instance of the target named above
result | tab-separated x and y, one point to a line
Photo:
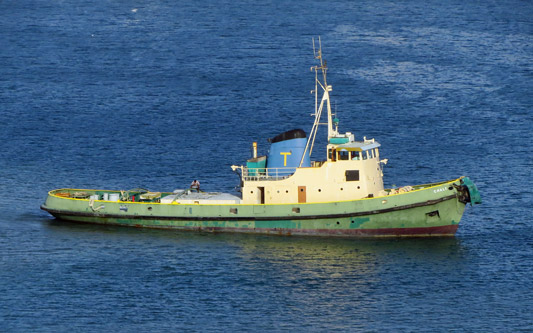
142	195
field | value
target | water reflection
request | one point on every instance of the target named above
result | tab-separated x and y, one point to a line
307	250
291	257
340	258
345	280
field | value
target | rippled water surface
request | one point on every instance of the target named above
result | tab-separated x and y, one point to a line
125	94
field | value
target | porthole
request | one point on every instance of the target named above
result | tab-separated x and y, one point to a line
319	190
149	208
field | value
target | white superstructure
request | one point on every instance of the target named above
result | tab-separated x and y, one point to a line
352	169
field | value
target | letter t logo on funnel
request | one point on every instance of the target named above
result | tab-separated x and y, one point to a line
285	157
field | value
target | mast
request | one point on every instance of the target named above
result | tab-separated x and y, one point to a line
325	101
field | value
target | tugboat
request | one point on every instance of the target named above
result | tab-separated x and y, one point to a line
288	193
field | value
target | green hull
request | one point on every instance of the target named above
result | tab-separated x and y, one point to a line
428	210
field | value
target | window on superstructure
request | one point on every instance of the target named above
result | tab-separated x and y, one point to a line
332	155
352	175
344	155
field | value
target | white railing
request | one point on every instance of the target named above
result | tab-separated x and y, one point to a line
256	174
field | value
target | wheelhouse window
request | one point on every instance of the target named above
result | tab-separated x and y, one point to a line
344	155
355	155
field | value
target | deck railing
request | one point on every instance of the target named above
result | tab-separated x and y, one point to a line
256	174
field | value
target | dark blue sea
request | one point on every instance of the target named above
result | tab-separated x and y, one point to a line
126	94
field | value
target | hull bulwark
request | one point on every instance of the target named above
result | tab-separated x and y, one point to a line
429	210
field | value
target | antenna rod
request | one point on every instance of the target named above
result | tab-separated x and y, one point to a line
325	100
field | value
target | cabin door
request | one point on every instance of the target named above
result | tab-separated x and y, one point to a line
261	195
301	194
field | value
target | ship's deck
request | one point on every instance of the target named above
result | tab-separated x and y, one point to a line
189	197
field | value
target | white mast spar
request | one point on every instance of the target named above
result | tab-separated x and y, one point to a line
325	98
